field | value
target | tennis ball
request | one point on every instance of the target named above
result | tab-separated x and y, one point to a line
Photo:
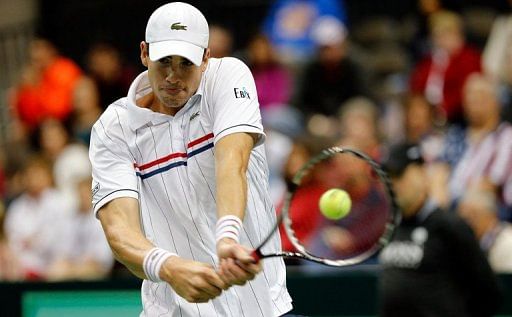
335	204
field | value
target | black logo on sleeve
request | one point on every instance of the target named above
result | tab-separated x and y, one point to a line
95	189
241	93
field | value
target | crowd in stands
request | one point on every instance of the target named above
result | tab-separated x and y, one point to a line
320	82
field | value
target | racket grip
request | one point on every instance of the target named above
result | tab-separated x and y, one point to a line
256	255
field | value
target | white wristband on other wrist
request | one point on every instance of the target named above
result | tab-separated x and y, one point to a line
153	262
228	227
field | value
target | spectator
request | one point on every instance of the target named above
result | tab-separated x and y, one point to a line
496	55
290	22
479	208
488	151
332	77
419	39
70	160
433	266
272	80
359	123
419	118
497	59
305	219
440	75
86	109
31	220
113	78
84	251
221	41
46	87
423	126
363	226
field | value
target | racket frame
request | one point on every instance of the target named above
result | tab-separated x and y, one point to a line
392	222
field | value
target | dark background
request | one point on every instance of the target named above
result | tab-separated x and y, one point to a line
75	24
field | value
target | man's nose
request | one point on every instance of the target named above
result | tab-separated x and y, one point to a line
171	74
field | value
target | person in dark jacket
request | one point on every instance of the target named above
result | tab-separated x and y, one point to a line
433	266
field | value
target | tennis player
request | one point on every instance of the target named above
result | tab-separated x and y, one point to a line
180	178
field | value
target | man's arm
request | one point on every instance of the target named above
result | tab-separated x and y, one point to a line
232	154
194	281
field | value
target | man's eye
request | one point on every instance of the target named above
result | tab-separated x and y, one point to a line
165	60
187	63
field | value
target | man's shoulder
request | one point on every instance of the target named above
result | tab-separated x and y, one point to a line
226	65
113	115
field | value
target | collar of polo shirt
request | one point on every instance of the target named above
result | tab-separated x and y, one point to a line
138	116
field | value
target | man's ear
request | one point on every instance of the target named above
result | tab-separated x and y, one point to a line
206	56
144	53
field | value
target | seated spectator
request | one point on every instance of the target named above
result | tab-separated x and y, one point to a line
488	153
84	253
86	110
496	55
440	75
479	208
332	77
46	87
31	220
497	60
220	41
289	23
70	159
433	266
305	221
419	39
419	118
112	77
423	126
363	226
272	80
359	123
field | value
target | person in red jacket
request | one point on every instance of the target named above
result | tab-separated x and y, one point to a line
441	74
46	86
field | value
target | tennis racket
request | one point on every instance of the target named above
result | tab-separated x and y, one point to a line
365	230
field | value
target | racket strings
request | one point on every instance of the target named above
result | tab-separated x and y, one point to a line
358	234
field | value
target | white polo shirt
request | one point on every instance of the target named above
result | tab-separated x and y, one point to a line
167	163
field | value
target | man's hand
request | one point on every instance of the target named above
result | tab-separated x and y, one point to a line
194	281
236	263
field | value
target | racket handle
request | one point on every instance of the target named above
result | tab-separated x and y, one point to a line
256	255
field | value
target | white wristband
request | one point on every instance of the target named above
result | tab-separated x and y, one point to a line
228	227
153	262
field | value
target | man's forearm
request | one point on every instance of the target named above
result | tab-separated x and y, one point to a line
120	221
232	157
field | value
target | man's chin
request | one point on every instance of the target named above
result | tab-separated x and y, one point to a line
174	102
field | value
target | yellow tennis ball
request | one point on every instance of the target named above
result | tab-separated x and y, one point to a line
335	204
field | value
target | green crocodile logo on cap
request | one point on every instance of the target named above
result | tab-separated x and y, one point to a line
178	26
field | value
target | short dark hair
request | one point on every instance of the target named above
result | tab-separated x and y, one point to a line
400	157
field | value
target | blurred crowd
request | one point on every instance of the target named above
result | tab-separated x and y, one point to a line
320	82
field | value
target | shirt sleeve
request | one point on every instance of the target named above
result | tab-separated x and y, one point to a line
113	171
502	165
235	106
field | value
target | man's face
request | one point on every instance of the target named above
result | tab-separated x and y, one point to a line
410	189
174	79
448	39
479	103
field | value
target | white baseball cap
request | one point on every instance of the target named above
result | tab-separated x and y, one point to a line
177	28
